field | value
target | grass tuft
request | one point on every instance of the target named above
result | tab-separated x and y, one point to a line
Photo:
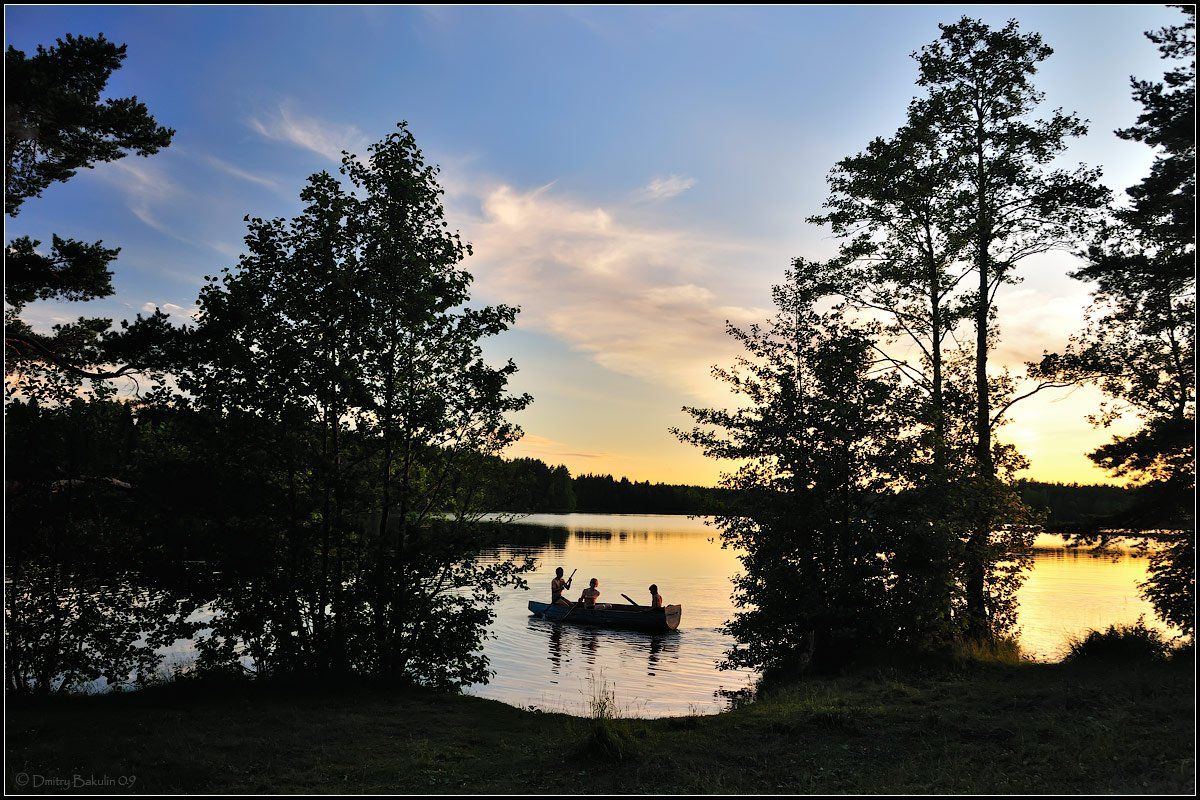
1002	650
608	736
837	719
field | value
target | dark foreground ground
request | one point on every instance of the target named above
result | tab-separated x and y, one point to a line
995	728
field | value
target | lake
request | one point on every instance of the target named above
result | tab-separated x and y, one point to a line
557	667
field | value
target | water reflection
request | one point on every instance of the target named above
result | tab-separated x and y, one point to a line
653	675
655	650
589	641
558	666
1067	591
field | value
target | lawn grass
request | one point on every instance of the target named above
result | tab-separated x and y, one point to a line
1038	728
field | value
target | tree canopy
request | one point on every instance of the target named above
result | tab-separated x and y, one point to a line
56	123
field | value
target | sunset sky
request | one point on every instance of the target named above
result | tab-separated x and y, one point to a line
632	178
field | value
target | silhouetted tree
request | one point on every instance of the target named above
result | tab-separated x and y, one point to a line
75	611
896	207
528	485
806	506
1072	507
346	329
560	494
980	104
55	123
1139	345
605	494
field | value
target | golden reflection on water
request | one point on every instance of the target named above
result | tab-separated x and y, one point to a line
557	667
1069	591
560	667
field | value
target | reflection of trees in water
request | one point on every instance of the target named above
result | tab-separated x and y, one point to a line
66	631
516	534
595	536
619	535
1075	553
70	629
556	537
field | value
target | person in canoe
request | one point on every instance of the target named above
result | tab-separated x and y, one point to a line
557	586
591	594
656	600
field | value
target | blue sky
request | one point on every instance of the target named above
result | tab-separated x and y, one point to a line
632	177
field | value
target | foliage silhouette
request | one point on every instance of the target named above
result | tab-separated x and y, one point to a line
55	125
979	105
808	507
345	337
1139	344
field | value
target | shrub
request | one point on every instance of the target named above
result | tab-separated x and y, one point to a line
1120	643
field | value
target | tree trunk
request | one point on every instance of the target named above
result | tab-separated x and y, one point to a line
976	555
935	355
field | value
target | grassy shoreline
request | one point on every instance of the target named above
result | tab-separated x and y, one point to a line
1041	728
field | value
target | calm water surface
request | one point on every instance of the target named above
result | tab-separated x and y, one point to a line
558	667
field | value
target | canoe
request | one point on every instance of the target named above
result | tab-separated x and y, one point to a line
637	618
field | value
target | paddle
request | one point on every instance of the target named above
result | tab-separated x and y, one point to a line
573	607
630	599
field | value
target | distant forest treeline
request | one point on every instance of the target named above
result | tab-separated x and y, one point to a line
530	485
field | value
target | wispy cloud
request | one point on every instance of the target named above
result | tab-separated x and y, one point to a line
533	446
1033	320
153	197
664	188
172	309
327	139
649	302
43	316
147	188
238	172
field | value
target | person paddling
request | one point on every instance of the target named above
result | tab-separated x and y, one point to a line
557	586
656	600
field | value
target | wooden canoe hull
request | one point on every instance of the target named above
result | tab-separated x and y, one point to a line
634	618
